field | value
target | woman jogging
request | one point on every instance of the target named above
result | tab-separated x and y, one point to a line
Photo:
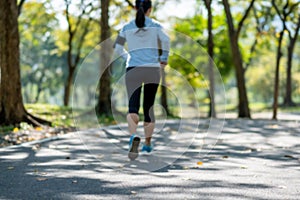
148	50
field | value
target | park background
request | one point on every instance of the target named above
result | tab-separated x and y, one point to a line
254	45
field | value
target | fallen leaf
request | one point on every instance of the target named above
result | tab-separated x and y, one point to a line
273	126
100	156
289	156
52	146
36	147
41	179
16	130
133	192
250	150
199	163
38	128
282	187
225	157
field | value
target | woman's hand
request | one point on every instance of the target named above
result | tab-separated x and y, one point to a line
163	64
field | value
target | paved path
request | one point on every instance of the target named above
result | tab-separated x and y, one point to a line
252	159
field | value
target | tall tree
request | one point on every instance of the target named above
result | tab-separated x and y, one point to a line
286	11
288	101
292	41
234	33
12	109
210	45
104	100
74	53
20	6
262	18
41	68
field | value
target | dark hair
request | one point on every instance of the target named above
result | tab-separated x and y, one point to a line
142	7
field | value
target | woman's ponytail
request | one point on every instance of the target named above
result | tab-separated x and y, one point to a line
142	7
140	17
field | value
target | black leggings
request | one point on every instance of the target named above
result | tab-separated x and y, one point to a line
135	78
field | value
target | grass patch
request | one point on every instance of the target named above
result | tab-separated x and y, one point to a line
5	129
60	116
295	109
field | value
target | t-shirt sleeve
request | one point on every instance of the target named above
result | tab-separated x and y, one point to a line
119	45
164	44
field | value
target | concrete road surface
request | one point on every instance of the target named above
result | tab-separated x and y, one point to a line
247	159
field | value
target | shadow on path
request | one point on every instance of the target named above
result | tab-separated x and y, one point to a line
253	159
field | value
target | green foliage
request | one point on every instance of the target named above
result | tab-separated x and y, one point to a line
44	45
41	67
222	53
121	12
5	129
91	40
196	28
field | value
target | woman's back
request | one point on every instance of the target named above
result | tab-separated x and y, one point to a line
143	43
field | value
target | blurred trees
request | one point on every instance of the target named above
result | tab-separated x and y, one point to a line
234	34
284	14
290	19
197	27
104	100
11	102
55	36
41	65
78	27
12	110
210	45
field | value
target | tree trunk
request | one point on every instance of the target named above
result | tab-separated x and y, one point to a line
104	101
71	67
40	86
210	44
276	81
164	97
288	90
242	92
68	86
12	110
243	105
288	101
283	15
74	58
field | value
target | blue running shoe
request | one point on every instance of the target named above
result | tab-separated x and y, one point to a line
147	149
134	143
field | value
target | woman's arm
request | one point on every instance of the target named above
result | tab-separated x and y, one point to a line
164	44
119	47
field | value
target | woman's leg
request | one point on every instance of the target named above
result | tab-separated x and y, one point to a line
133	120
149	118
133	86
150	88
148	128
